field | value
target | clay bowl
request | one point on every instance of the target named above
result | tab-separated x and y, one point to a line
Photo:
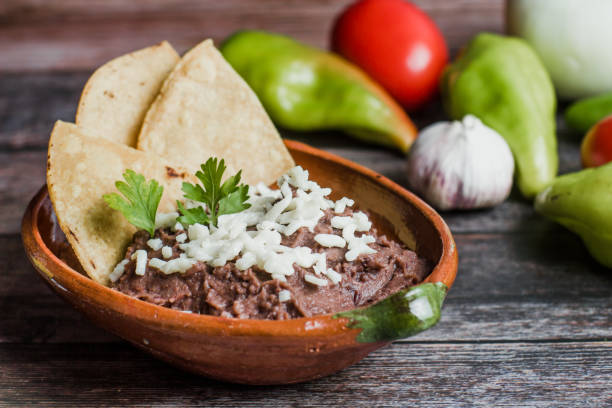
247	351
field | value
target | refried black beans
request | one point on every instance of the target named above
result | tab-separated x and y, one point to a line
252	294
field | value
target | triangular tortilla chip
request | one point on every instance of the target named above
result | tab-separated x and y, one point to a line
80	169
206	109
117	96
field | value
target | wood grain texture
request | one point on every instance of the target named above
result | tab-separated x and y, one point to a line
21	175
30	105
72	35
519	290
410	374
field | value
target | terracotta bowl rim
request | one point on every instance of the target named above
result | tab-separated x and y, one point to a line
59	274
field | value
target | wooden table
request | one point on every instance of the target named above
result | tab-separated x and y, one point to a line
527	323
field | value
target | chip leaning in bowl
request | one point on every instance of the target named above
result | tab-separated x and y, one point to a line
241	251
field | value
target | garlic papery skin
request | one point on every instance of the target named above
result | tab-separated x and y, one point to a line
460	165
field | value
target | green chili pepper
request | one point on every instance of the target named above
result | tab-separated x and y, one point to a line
582	202
305	89
402	314
582	115
502	81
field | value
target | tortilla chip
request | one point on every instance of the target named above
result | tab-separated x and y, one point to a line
206	109
80	169
117	96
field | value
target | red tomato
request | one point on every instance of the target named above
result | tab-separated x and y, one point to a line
596	148
397	44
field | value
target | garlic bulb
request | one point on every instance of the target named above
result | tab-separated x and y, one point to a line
461	165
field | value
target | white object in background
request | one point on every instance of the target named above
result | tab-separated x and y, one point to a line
572	37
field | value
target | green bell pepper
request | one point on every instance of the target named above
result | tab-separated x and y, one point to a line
305	89
403	314
582	115
582	202
502	81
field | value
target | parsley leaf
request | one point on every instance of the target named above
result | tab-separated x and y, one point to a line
227	198
191	215
235	202
142	200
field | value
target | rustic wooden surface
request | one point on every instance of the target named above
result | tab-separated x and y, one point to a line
80	34
528	322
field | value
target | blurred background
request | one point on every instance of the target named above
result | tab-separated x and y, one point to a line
69	35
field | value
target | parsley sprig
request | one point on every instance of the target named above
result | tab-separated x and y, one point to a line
142	200
220	198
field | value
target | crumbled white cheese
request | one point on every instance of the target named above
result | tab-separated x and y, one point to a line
157	263
246	261
177	265
297	176
178	227
141	261
341	205
279	207
340	222
197	231
362	223
118	271
356	245
284	295
333	276
314	280
330	240
348	232
360	219
320	265
155	244
253	237
359	247
167	252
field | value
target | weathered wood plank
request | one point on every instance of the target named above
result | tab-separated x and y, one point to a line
60	35
21	175
30	105
31	312
509	287
433	375
46	319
